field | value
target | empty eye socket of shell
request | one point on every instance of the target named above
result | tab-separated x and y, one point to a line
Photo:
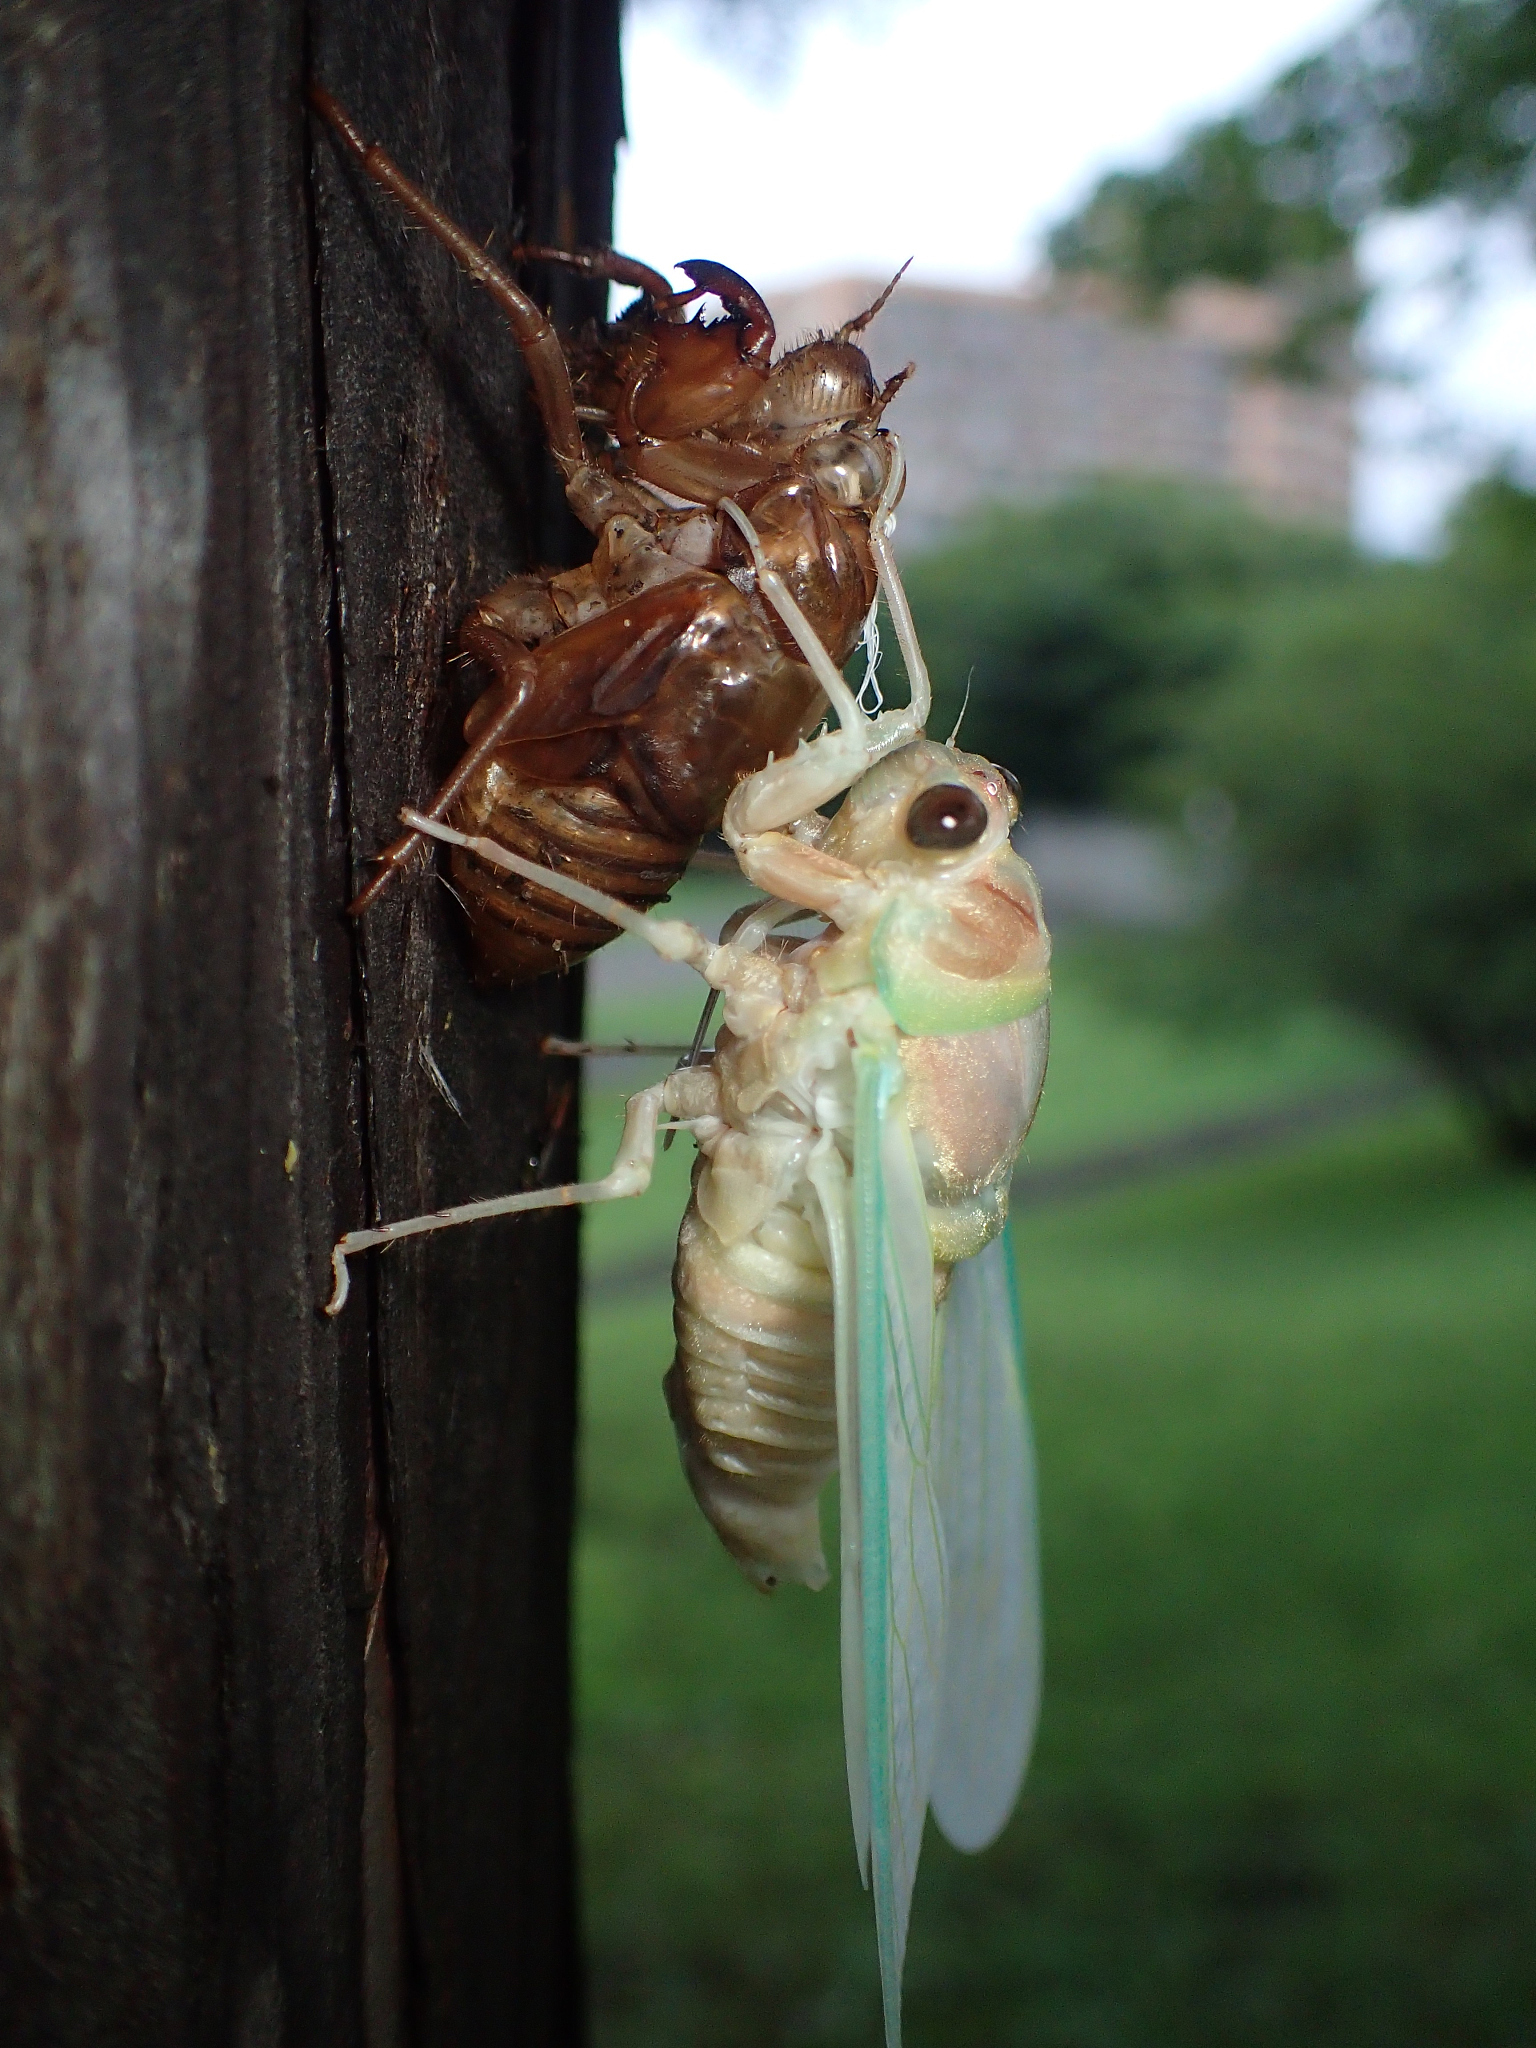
847	470
945	818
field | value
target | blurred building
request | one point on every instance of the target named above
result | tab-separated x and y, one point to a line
1017	394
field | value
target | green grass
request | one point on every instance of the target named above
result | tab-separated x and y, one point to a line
1285	1789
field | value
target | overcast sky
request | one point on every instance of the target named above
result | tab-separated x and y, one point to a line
957	131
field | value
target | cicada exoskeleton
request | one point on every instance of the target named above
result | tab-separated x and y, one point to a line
625	699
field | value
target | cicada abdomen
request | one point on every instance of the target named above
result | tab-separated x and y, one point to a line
630	732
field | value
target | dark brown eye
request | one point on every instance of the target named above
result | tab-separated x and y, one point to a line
947	817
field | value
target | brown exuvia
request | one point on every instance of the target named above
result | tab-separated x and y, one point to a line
628	697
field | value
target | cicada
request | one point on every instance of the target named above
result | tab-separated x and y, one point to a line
843	1293
627	697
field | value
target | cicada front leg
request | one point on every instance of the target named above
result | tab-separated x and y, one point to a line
502	635
789	792
594	495
791	789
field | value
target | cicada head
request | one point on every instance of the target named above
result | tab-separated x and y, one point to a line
822	389
958	940
818	386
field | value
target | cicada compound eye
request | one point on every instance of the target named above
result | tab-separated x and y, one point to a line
946	818
847	470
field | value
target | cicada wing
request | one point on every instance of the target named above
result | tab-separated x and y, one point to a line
901	1553
830	1180
985	1479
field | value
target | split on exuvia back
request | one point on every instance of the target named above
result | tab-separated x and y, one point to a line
844	1297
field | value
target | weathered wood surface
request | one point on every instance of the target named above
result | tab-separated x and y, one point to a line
283	1603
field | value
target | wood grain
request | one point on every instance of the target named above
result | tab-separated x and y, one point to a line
284	1703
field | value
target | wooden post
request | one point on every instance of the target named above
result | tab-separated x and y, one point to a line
284	1710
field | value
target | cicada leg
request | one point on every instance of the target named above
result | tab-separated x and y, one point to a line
535	336
671	937
625	1049
605	263
741	300
519	681
895	591
630	1174
786	790
594	495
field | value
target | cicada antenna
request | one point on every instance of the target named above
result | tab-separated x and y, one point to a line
860	321
965	705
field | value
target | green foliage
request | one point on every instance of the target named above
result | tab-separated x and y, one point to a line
1083	623
1380	747
1424	100
1213	210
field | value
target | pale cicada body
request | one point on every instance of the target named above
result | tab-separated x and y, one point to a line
843	1291
752	1391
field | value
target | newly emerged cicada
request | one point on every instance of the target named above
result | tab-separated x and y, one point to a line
626	698
843	1291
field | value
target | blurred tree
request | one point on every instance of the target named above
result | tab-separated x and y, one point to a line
1224	206
1379	745
1081	623
1215	209
1423	100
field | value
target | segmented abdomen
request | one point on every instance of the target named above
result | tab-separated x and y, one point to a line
751	1389
629	733
582	830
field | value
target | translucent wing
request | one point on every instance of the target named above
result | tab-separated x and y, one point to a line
985	1481
901	1567
830	1180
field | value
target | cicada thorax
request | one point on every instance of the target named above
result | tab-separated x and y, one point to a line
970	1100
697	410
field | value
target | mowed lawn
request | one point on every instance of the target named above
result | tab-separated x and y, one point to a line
1285	1788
